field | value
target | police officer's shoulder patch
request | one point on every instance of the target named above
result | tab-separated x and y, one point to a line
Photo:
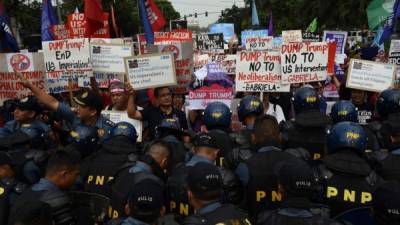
100	132
109	122
2	190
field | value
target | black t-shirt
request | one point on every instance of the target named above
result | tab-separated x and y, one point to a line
154	115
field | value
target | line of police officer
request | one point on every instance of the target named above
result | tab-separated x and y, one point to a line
306	170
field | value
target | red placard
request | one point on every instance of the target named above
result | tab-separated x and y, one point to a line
60	32
77	26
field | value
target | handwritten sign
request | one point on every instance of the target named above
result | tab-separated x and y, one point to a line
77	24
153	70
370	76
304	62
21	62
60	32
117	117
228	62
109	58
210	42
200	60
289	36
259	43
259	71
252	33
67	58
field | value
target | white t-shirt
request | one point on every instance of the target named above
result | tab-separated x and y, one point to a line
276	111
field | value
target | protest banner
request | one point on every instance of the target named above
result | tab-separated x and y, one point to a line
259	71
60	32
211	84
228	62
67	58
149	71
117	117
311	37
252	33
227	29
10	87
340	37
394	55
304	62
109	58
21	62
290	36
165	38
210	42
370	76
200	60
76	23
259	43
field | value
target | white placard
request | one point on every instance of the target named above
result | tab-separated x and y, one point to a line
255	43
304	62
149	71
369	75
117	117
108	58
259	71
21	62
289	36
67	58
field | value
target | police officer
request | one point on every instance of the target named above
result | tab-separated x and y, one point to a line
145	205
250	107
204	189
84	139
296	184
26	111
308	129
10	188
345	111
256	173
61	173
171	132
205	149
90	105
217	119
151	166
386	204
348	179
100	167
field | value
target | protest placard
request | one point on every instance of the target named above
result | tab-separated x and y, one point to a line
153	70
277	44
102	79
259	43
21	62
109	58
394	55
117	117
252	33
59	85
340	37
210	42
200	60
181	50
77	25
370	76
304	62
228	62
10	87
67	58
165	38
259	71
211	84
290	36
60	32
119	41
227	29
311	37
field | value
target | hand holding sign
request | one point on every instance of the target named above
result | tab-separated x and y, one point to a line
25	82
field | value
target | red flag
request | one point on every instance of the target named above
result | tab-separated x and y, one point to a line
157	19
94	16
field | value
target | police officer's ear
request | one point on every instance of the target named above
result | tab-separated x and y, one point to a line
93	112
127	210
31	114
164	162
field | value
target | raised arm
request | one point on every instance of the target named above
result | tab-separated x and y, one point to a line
132	112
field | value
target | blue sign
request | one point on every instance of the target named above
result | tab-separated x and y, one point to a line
252	33
228	29
340	37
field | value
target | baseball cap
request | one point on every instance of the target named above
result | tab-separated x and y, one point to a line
386	201
204	178
116	86
29	103
295	176
146	196
205	140
91	99
5	159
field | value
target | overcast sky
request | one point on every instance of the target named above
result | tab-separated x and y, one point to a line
213	7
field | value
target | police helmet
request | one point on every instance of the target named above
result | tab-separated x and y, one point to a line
344	111
124	129
388	102
35	133
217	114
305	98
250	105
84	135
346	135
